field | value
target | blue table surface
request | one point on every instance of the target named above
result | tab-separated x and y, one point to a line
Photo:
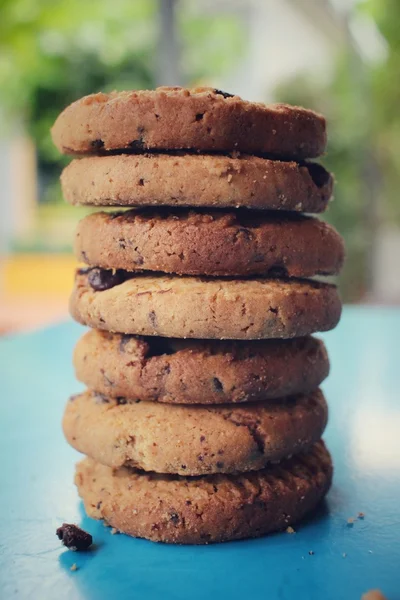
37	492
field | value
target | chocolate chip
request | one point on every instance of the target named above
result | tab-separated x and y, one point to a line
174	517
98	505
100	398
279	272
121	401
125	338
139	260
153	319
188	503
217	385
141	182
84	256
224	94
159	346
116	214
104	279
74	537
318	174
200	458
220	464
97	144
199	116
137	144
202	438
245	234
122	243
291	401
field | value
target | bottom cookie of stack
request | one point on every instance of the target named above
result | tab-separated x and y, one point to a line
201	510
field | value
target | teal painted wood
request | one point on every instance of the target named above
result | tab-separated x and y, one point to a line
37	493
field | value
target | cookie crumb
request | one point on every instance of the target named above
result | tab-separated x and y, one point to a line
290	530
311	552
114	531
344	554
73	537
373	595
361	515
74	567
230	177
350	521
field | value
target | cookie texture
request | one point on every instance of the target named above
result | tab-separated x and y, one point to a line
201	510
198	372
197	180
202	119
209	243
193	440
203	308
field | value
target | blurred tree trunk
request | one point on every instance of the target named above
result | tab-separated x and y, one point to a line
168	51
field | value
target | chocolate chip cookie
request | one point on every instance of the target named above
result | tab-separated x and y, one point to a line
196	307
201	510
200	119
197	180
210	243
196	371
193	440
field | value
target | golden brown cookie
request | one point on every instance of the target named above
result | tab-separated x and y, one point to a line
193	440
198	372
201	510
197	180
203	308
202	119
211	243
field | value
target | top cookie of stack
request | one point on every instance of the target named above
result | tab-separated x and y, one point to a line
176	148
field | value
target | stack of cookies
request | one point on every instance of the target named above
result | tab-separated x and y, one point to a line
202	420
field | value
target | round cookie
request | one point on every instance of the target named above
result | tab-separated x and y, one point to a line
210	243
201	510
193	440
196	307
198	372
174	118
197	180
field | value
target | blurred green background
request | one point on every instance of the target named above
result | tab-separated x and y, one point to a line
341	57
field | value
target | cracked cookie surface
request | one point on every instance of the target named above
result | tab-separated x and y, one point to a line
197	307
201	510
211	243
197	180
201	119
198	372
193	440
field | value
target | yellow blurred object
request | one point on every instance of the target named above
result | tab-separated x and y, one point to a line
34	290
49	275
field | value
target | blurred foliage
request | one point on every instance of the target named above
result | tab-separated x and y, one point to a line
55	51
361	103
